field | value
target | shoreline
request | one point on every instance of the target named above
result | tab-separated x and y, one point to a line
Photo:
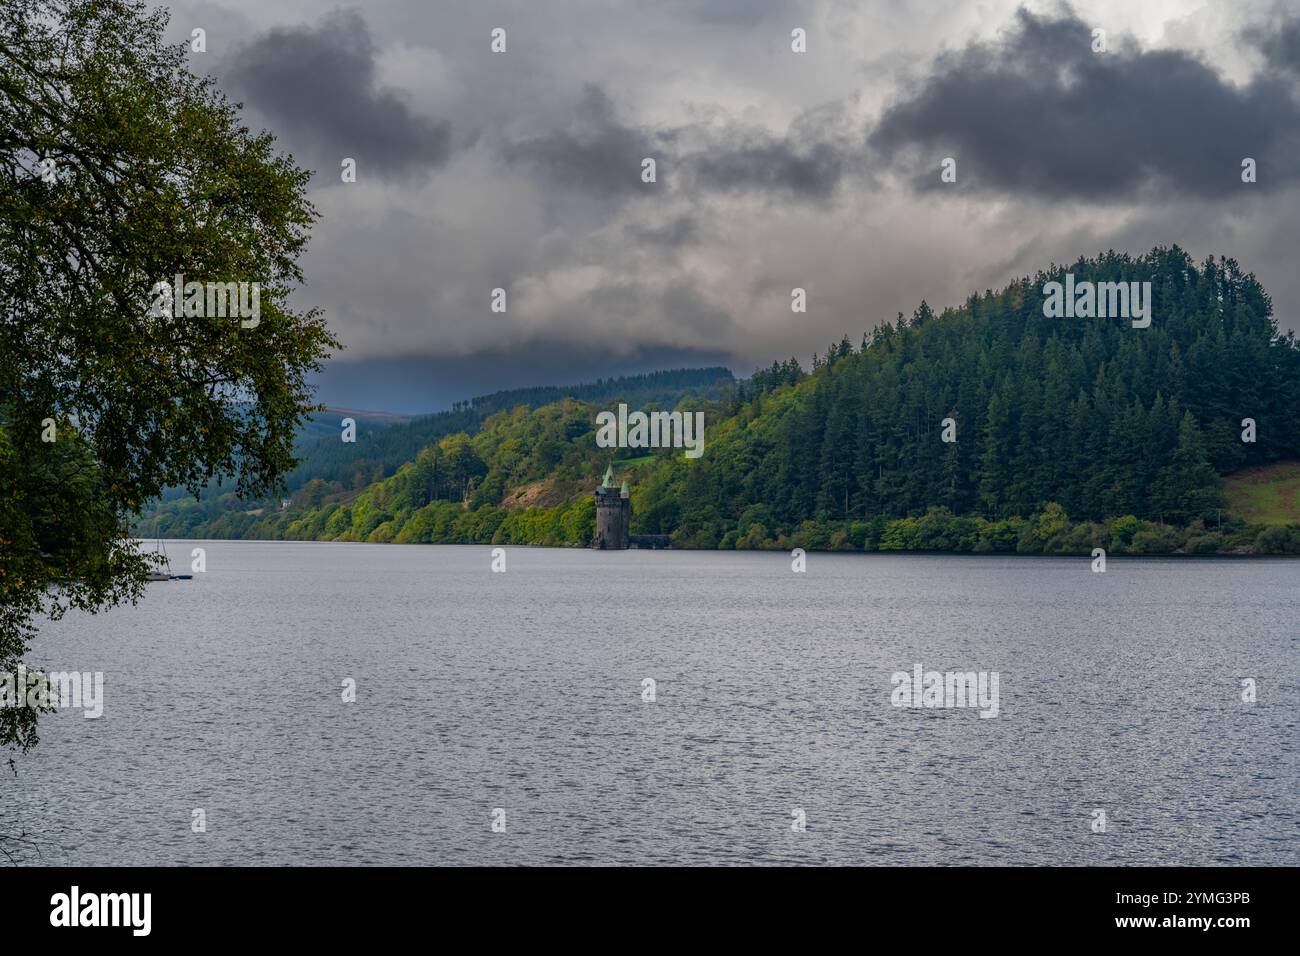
1073	556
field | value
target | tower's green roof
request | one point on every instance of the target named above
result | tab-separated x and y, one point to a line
609	476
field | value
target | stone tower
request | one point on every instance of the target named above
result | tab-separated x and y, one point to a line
613	514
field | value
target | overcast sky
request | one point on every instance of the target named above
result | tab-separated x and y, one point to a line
522	170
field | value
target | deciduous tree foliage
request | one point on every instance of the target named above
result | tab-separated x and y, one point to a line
119	169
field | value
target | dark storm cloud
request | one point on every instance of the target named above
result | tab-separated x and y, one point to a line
318	86
769	177
1280	44
821	147
597	153
1038	113
757	162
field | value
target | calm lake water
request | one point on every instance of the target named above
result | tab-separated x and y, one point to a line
476	690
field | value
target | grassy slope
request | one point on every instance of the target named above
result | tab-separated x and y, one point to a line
1267	495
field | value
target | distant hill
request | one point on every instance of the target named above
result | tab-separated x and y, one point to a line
382	444
385	441
326	424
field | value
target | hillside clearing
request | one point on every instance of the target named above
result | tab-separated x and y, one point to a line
1265	495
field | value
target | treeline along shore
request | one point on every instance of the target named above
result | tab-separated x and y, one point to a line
991	427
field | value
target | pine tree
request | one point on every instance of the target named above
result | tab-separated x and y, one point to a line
993	476
1188	487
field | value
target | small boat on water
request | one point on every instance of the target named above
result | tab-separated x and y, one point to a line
157	574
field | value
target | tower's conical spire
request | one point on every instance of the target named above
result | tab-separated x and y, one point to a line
609	476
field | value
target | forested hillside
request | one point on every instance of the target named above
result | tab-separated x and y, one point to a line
1069	433
331	466
378	454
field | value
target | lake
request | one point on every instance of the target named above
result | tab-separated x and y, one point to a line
1118	694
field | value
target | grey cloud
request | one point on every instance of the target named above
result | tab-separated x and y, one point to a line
318	87
728	12
599	154
677	232
549	200
684	306
759	162
1279	42
596	153
1039	113
677	305
821	148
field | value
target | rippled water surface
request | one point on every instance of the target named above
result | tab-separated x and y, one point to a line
523	691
